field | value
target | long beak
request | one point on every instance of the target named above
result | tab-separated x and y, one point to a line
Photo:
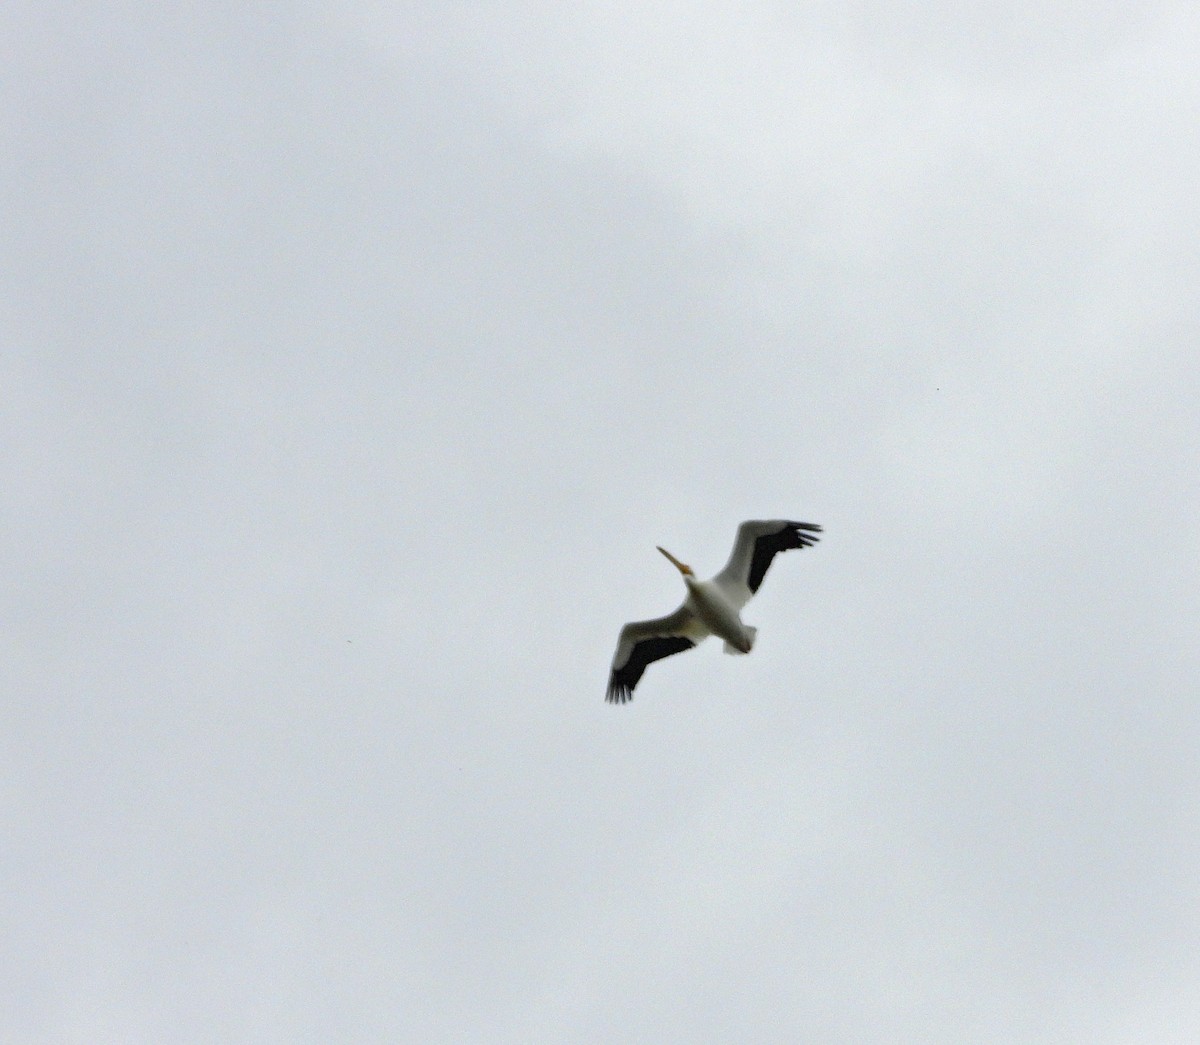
682	567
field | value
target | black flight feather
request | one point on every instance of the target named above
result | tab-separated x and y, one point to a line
623	679
793	535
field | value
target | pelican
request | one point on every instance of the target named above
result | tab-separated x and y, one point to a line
712	607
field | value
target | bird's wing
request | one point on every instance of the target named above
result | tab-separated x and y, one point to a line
758	542
642	642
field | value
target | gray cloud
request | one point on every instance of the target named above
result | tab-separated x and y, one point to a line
356	363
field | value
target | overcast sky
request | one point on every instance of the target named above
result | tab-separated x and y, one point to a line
354	359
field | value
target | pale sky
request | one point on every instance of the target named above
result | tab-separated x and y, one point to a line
354	359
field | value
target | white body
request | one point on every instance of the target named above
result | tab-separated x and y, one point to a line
708	601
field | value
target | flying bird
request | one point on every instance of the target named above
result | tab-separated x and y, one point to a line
712	607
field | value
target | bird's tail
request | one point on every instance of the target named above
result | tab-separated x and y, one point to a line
750	633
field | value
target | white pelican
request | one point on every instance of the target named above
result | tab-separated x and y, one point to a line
712	607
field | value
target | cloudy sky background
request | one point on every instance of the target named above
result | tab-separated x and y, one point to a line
353	363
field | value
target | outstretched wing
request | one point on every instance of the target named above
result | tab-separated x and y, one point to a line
758	542
642	642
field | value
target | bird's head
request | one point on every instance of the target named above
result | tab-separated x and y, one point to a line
682	567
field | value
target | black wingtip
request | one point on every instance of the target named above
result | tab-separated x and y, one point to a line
804	533
622	680
791	535
618	694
